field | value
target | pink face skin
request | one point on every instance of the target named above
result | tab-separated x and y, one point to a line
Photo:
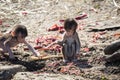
20	38
69	32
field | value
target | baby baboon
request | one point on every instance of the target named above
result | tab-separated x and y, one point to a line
16	36
70	42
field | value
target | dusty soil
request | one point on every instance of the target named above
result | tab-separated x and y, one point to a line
39	15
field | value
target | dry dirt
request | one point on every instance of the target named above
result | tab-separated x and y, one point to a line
39	15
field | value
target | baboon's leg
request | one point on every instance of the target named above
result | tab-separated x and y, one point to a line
64	51
73	51
69	51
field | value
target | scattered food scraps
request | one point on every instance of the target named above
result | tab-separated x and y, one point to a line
1	22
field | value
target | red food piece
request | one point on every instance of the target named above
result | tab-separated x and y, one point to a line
81	17
61	20
101	33
61	29
24	13
53	28
40	40
66	68
86	49
1	22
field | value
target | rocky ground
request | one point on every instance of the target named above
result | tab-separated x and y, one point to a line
96	31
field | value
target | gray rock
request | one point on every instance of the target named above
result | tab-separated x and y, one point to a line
45	76
8	71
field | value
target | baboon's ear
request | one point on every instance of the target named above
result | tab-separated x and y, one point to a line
13	33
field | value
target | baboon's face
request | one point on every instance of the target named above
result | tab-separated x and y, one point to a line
20	38
70	32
